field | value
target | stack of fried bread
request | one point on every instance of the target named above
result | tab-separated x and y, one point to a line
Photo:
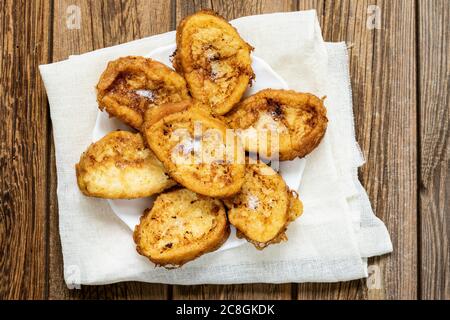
199	148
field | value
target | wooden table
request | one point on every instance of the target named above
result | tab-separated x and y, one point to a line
400	79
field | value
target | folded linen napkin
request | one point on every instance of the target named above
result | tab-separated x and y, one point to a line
330	242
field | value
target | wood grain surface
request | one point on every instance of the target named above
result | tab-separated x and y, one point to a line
103	24
400	80
434	161
24	149
382	67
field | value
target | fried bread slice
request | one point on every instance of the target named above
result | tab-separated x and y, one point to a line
180	227
120	166
280	123
214	60
131	85
197	151
264	207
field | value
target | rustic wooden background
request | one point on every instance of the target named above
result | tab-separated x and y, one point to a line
400	78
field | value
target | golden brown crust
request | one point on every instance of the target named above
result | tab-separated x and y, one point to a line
295	206
298	118
153	115
119	166
192	146
214	60
180	227
265	206
131	85
281	237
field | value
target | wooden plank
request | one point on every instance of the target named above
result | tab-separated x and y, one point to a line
231	10
383	72
352	290
371	44
103	23
318	5
434	102
322	291
24	38
258	291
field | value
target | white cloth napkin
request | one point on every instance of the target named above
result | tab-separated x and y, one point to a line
329	242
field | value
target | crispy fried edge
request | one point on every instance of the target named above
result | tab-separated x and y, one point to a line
281	236
241	234
195	114
178	65
153	115
309	142
83	186
124	113
186	257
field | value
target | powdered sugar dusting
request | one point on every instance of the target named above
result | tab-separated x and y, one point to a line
146	94
252	202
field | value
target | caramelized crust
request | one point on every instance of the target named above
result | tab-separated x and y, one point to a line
298	120
119	166
153	115
192	146
264	207
214	60
131	85
180	227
